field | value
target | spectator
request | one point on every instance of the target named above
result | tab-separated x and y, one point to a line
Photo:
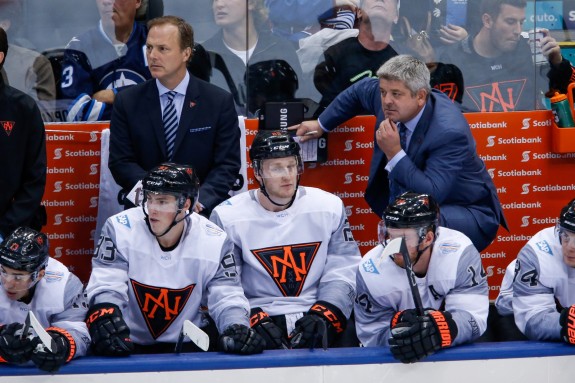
165	252
448	275
297	252
22	157
542	296
112	58
243	41
25	69
358	57
206	133
436	155
497	64
35	283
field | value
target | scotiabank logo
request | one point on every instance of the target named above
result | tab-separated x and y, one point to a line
525	221
57	153
93	202
348	145
491	172
490	141
58	252
525	188
489	271
349	210
58	219
525	124
57	186
348	178
93	136
93	169
525	156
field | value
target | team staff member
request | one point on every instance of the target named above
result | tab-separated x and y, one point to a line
436	154
207	135
449	276
297	250
22	157
543	297
34	282
156	265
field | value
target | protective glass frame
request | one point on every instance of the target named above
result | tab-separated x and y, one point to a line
384	236
279	172
566	236
21	282
162	206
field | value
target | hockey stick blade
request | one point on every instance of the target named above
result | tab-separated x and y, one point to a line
195	334
411	277
392	247
45	338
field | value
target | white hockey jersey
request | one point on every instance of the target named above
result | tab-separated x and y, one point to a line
542	281
58	301
455	282
157	290
295	257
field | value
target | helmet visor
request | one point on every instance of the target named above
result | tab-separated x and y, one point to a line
17	281
567	237
163	203
412	236
280	167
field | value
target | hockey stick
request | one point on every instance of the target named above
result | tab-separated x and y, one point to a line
397	246
45	338
195	334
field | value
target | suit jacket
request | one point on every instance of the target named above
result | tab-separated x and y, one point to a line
441	158
208	137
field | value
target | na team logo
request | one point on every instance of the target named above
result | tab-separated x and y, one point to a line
525	188
497	96
288	265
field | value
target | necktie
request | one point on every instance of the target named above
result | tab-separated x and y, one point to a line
170	118
402	135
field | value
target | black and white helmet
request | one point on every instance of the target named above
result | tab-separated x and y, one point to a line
567	217
26	250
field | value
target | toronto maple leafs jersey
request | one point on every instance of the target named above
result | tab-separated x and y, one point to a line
455	282
157	290
542	282
58	301
292	258
107	67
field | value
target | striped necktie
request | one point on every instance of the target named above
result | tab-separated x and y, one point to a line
402	135
170	118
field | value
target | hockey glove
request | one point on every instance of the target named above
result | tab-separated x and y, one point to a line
567	322
274	337
406	316
309	329
422	336
51	361
239	339
13	347
110	333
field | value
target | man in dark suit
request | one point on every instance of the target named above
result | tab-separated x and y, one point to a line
204	134
436	156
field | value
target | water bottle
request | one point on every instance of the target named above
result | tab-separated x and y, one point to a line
562	111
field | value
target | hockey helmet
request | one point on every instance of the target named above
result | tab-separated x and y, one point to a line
567	216
274	144
25	249
412	210
175	179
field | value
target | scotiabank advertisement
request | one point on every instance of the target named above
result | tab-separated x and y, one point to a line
533	182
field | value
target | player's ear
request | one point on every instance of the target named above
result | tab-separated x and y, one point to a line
487	20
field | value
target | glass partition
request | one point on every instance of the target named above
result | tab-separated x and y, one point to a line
487	55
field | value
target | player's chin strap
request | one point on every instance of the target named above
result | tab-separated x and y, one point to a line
420	252
287	205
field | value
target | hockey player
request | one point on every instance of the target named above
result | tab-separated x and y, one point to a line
298	256
543	295
155	267
450	280
34	282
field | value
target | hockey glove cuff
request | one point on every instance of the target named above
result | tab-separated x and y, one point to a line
567	322
273	335
308	331
51	361
110	333
239	339
14	347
